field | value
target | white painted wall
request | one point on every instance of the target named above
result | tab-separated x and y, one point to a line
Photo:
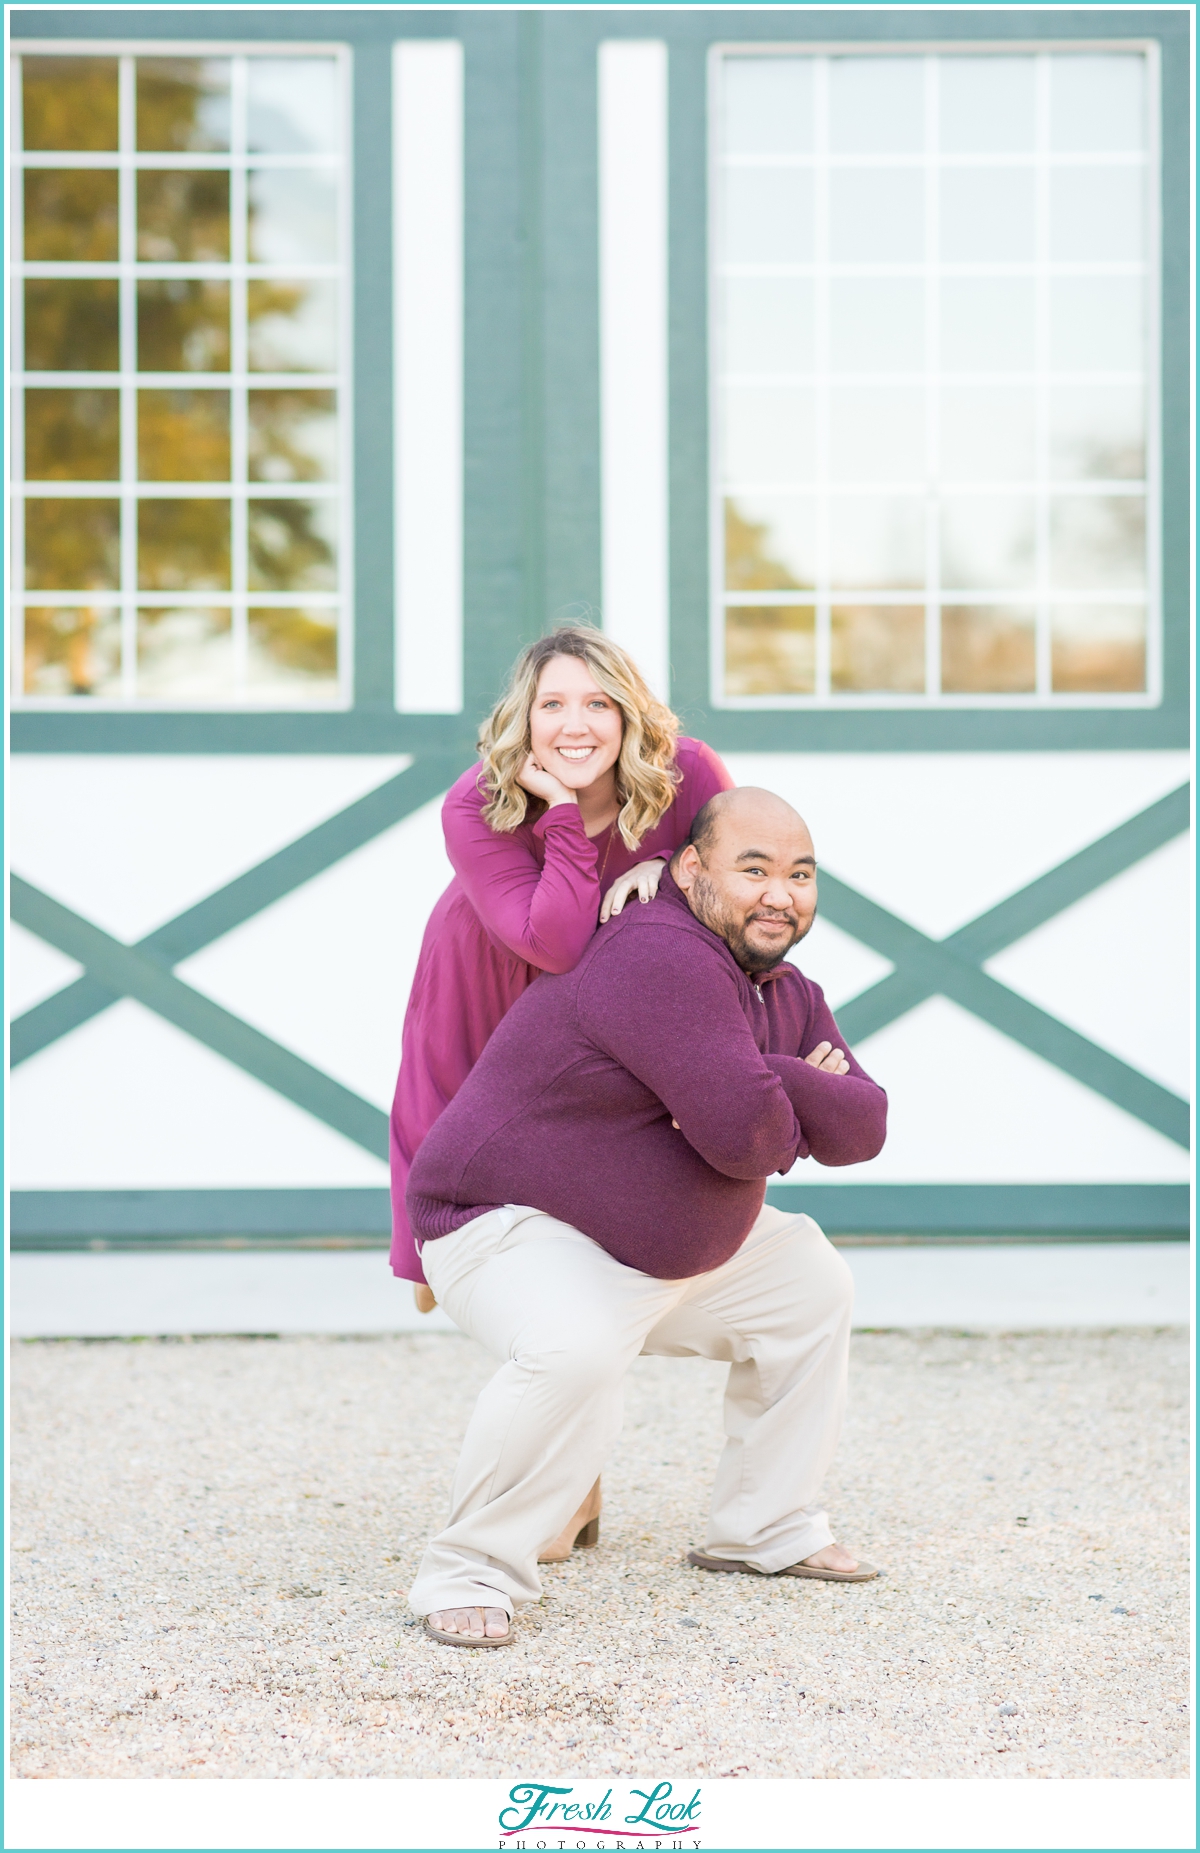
940	837
427	255
127	1100
132	839
1101	966
358	929
632	114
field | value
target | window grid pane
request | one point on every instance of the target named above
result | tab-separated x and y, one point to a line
931	377
160	446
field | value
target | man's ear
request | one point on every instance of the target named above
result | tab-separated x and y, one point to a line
685	867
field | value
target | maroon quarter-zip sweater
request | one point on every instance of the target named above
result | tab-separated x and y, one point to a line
569	1107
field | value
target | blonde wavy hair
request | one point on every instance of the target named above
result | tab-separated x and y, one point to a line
646	775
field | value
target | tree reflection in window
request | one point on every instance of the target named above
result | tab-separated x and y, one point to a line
929	308
208	385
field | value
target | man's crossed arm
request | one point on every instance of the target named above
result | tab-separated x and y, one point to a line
747	1114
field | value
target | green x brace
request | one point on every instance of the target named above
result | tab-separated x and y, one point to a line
924	967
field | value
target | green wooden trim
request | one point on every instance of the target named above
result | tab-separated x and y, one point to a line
1090	868
349	731
952	967
373	496
937	969
571	321
975	730
924	966
1147	1210
240	899
57	1221
688	432
41	1216
496	385
1175	334
530	108
127	972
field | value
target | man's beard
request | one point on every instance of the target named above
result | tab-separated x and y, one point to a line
731	927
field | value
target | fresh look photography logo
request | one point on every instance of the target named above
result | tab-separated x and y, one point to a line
544	1814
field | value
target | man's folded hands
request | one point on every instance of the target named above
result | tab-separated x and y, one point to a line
828	1059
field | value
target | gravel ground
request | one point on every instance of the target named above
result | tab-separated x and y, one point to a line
212	1541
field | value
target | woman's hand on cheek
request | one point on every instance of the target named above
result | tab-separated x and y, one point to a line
544	785
645	877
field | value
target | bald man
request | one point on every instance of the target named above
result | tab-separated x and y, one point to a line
596	1190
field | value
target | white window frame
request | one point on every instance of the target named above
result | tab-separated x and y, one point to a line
825	596
237	381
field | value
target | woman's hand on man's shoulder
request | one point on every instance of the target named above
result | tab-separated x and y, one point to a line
644	876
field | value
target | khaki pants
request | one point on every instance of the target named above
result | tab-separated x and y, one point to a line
569	1321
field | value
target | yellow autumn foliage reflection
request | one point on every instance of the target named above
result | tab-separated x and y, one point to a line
72	544
72	434
183	218
72	324
71	651
177	646
70	103
183	105
71	215
183	436
183	544
183	325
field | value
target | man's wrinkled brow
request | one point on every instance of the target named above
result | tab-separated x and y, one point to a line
764	855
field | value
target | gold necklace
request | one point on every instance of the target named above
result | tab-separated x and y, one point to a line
608	846
604	863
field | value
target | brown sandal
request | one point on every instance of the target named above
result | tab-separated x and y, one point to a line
864	1574
467	1640
582	1532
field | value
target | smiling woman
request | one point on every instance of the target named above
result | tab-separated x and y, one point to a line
571	675
584	792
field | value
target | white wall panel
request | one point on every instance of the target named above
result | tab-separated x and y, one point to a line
35	970
939	837
128	840
326	971
632	120
427	251
128	1101
1118	967
967	1105
840	964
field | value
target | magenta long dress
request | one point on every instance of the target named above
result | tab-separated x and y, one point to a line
519	904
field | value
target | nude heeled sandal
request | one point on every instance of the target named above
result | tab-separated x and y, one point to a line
582	1531
864	1573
